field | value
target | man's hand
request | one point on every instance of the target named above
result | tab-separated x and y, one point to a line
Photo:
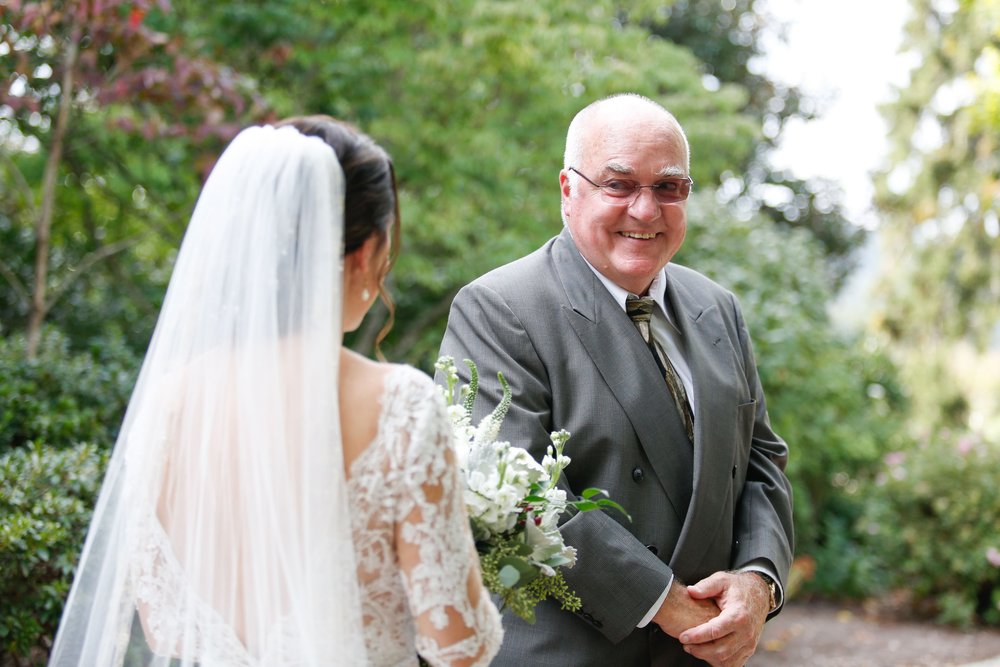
681	611
731	638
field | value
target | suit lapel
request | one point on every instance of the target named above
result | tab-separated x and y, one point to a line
617	349
713	370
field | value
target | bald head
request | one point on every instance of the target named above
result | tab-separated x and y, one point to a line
599	121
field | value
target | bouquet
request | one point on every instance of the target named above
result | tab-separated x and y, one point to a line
513	502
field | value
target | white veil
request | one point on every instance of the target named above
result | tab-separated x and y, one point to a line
222	535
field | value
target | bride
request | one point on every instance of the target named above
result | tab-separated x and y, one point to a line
273	498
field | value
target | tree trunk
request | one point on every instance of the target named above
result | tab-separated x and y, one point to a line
43	224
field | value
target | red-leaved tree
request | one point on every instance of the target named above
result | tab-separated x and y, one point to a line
106	59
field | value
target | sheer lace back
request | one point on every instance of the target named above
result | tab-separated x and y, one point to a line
417	568
417	565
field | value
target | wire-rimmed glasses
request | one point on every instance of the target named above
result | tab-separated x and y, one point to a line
623	191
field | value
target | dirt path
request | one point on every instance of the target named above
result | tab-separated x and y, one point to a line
826	635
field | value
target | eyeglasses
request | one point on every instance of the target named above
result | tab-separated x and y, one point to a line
620	191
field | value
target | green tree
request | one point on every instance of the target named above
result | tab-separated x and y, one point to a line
940	197
941	193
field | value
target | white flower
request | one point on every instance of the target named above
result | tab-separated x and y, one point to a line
487	431
555	506
508	494
547	548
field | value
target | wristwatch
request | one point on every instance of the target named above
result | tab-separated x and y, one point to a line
772	589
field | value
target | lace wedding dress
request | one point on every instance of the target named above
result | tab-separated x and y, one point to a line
416	563
416	559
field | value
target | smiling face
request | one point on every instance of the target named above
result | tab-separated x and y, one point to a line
629	240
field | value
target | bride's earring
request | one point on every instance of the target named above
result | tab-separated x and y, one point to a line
365	294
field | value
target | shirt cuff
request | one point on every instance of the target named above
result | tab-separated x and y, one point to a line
656	606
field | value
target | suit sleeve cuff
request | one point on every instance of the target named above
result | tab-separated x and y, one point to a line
656	607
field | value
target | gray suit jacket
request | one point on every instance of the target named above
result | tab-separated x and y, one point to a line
575	361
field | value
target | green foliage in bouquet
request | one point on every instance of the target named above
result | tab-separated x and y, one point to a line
519	586
514	502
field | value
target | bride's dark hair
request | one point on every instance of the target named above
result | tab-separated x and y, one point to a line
371	202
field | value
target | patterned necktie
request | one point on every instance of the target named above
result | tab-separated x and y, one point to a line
640	309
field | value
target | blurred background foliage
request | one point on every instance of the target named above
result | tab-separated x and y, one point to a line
112	113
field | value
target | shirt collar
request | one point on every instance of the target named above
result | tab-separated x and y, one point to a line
657	290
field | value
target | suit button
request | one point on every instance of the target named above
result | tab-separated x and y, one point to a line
638	475
652	549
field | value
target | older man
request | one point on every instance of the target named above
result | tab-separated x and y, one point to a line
649	366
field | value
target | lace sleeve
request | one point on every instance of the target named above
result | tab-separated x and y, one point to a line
457	623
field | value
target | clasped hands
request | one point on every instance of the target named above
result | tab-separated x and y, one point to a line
719	619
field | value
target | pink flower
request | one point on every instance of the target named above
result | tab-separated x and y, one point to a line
964	446
993	556
895	458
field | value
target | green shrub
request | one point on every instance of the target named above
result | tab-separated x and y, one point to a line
934	520
62	397
843	565
47	496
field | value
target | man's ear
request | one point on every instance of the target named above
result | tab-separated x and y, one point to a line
564	188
